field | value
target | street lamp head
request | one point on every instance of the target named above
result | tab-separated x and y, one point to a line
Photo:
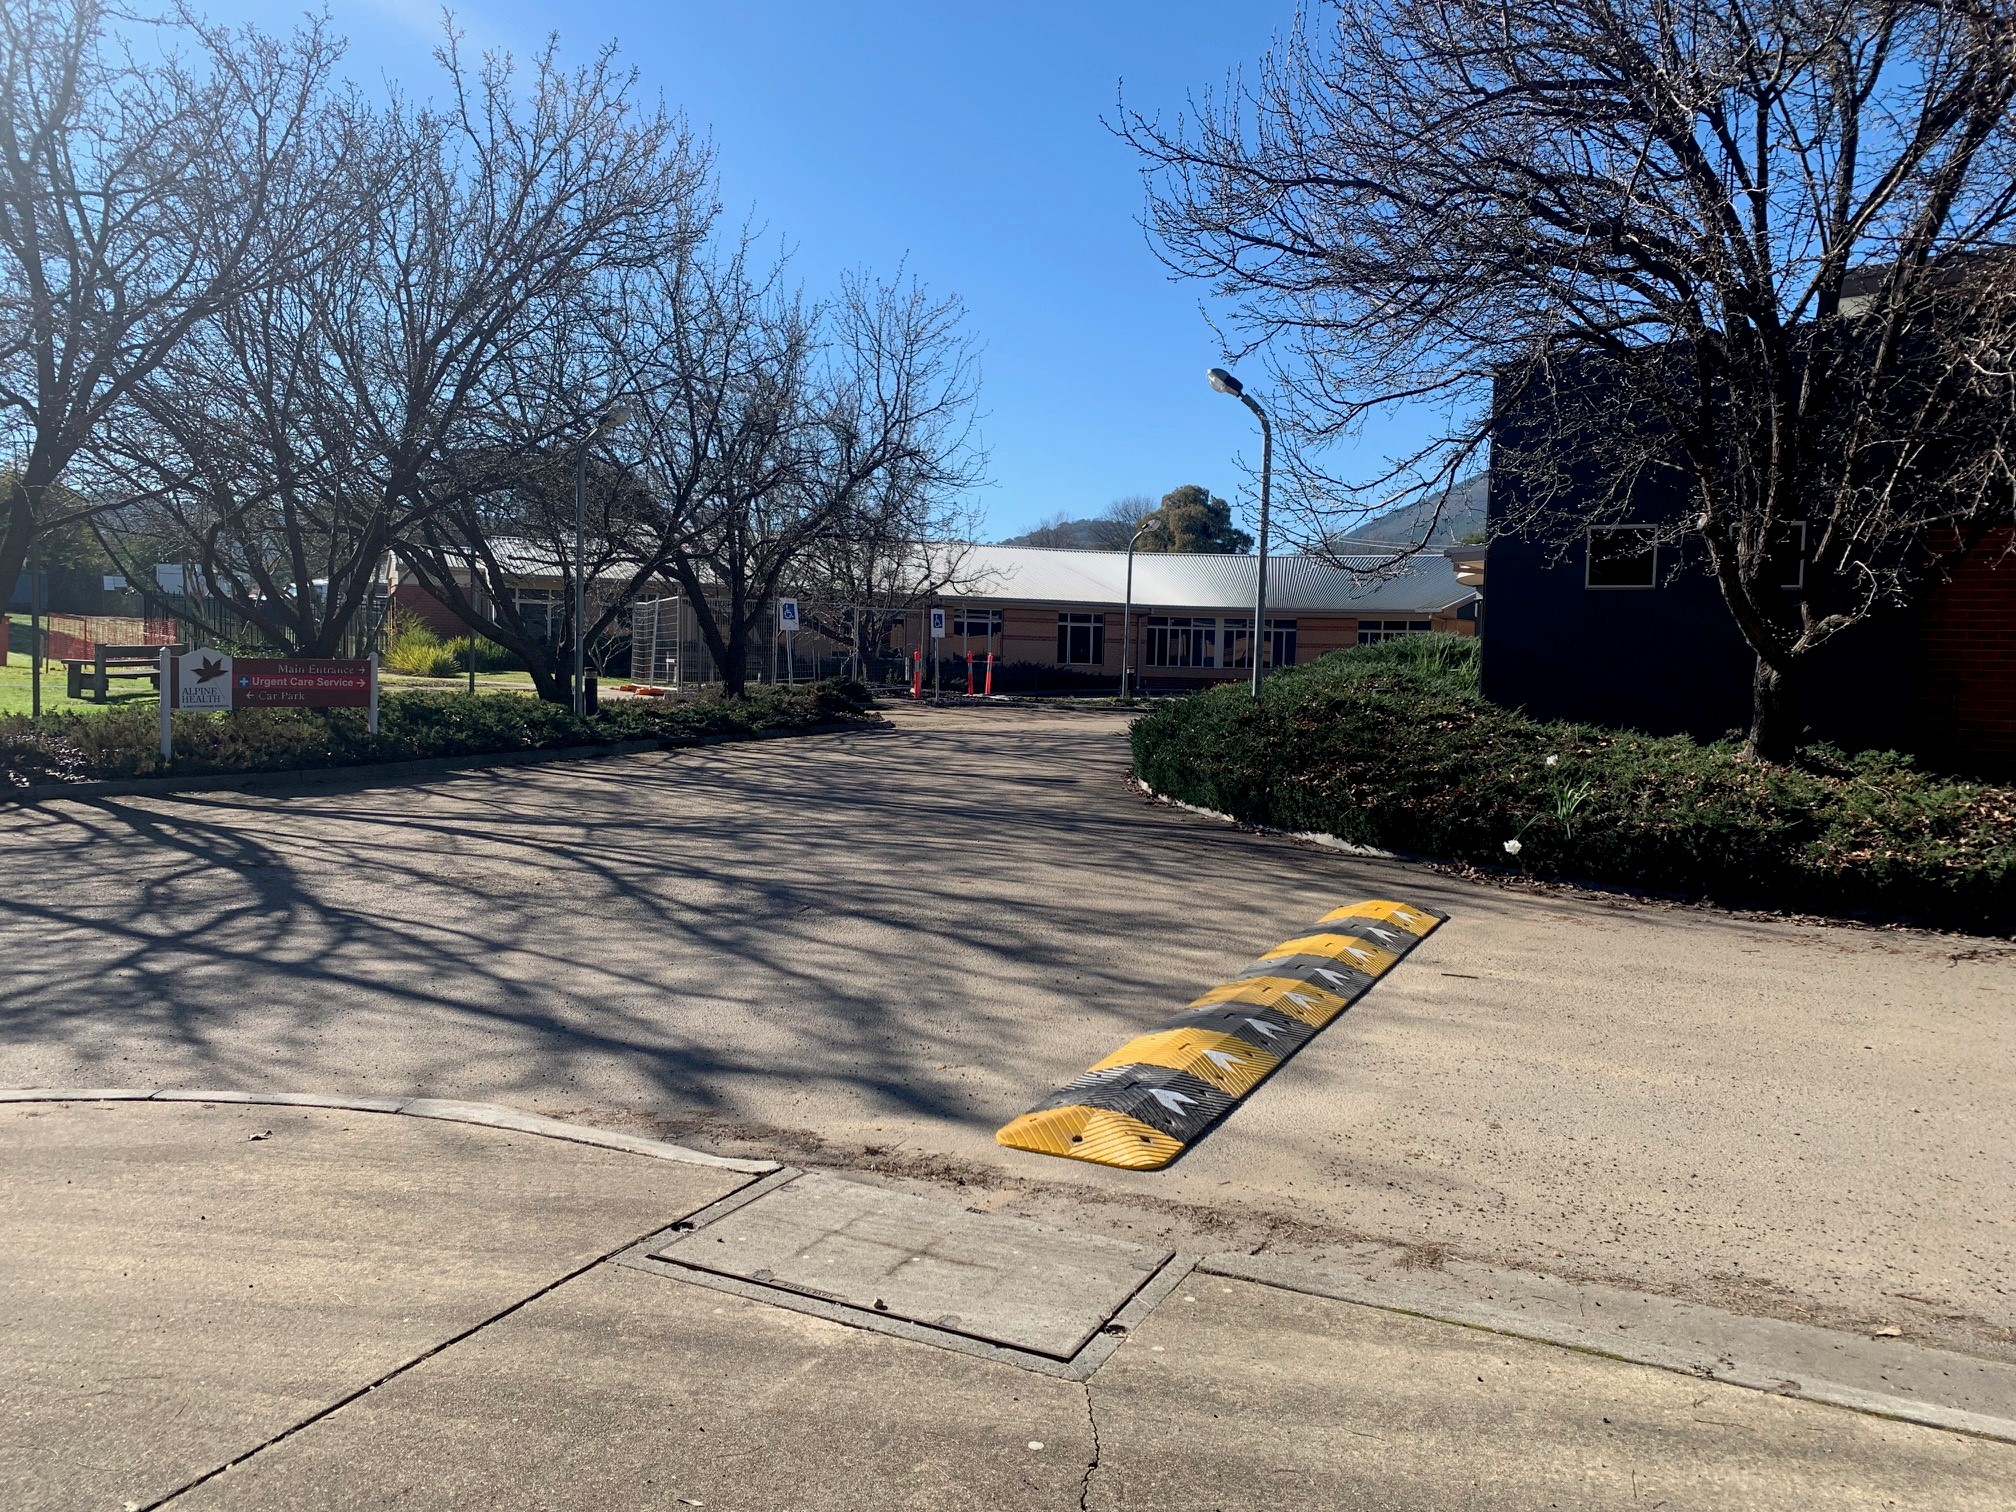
1225	383
611	418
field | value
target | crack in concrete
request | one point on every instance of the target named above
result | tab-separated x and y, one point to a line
1091	1465
389	1376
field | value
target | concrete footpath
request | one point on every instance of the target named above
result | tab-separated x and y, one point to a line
242	1305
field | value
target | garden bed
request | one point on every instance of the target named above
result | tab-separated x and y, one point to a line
125	742
1390	746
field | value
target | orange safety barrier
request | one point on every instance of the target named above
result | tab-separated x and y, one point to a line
990	674
77	636
916	674
969	674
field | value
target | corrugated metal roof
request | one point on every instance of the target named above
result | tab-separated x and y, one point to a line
1166	580
1369	585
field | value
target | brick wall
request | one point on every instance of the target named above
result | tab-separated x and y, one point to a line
410	599
1967	688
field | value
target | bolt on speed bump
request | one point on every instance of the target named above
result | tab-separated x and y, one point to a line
1159	1093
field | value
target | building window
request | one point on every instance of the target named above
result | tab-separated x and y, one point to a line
1788	554
1623	556
1179	641
543	612
980	622
1280	643
1081	639
1371	632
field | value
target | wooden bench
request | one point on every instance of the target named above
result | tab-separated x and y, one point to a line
98	670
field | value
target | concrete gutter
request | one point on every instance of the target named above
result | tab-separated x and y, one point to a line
393	771
489	1115
1879	1376
1882	1376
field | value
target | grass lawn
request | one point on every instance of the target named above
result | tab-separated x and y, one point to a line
486	682
17	696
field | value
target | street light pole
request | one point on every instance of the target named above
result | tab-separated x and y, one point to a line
1225	383
609	420
1127	615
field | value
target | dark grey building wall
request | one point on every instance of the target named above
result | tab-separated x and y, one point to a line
1666	659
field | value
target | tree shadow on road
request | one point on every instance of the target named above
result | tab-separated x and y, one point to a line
942	924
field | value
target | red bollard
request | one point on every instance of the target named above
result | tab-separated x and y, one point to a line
969	674
916	674
990	674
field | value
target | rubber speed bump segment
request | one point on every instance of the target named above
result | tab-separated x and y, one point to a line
1156	1095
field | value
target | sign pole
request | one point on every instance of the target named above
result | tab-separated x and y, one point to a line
35	638
374	693
787	632
937	648
167	706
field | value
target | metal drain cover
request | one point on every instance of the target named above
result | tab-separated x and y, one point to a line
1003	1280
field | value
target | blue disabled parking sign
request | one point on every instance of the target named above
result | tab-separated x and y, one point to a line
787	615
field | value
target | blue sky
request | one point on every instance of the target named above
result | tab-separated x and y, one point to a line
966	142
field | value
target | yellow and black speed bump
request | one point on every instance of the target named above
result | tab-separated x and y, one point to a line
1156	1095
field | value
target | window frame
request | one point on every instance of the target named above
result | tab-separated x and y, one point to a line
546	607
975	622
1799	557
1197	634
1282	635
1094	626
1279	633
1371	632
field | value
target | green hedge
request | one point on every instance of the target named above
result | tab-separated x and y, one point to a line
125	742
1390	746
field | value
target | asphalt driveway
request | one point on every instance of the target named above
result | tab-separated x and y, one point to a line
873	950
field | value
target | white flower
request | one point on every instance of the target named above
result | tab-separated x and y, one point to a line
1511	847
1553	761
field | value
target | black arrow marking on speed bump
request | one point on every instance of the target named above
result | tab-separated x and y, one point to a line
1156	1095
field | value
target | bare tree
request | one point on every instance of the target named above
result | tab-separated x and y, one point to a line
904	546
1114	526
137	201
773	429
511	519
1752	251
308	428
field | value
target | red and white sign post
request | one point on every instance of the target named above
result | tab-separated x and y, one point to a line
210	679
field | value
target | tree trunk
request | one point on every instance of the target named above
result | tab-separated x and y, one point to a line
17	533
735	663
1774	713
552	686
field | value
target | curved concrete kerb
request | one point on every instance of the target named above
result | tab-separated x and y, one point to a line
490	1115
1308	837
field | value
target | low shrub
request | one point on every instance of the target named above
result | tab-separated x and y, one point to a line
1390	746
414	648
124	742
1041	677
843	697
